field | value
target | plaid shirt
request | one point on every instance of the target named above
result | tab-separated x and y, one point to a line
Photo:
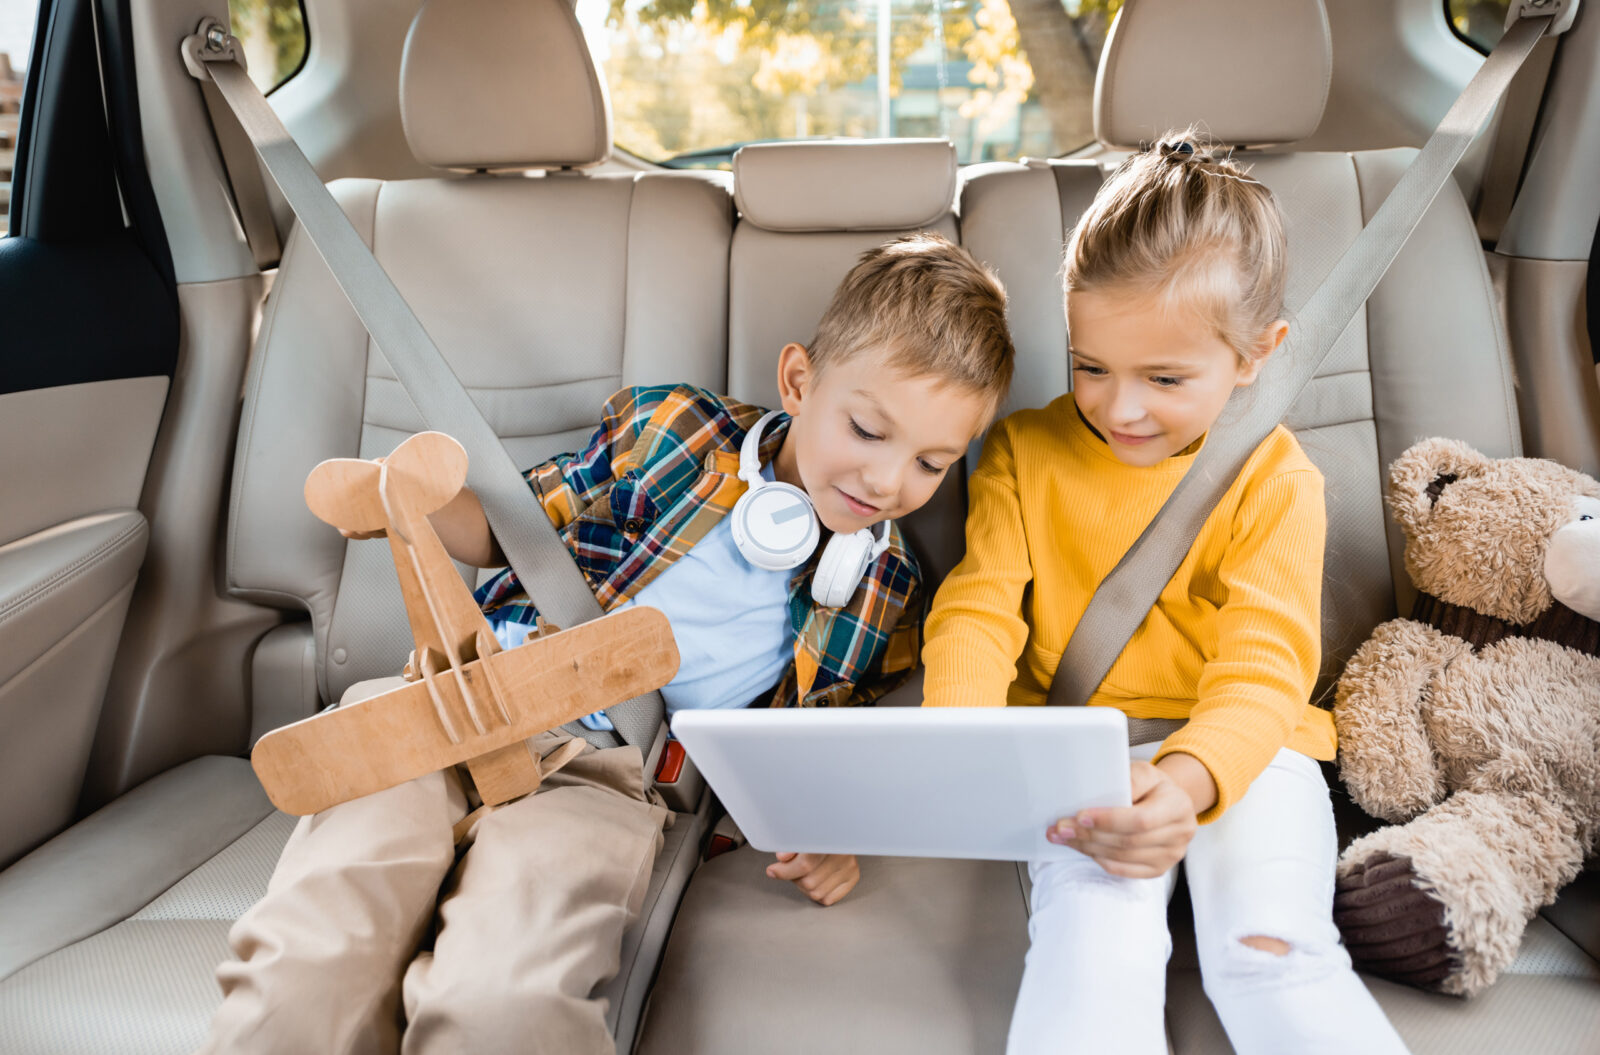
658	474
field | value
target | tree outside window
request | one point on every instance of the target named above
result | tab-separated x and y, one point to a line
691	80
16	39
273	35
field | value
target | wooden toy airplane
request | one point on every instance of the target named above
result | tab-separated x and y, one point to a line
468	700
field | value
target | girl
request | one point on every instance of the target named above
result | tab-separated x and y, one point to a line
1174	295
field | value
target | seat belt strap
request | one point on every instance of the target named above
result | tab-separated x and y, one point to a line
1125	597
244	179
1077	182
1513	137
532	547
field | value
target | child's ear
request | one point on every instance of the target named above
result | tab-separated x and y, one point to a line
1269	341
796	376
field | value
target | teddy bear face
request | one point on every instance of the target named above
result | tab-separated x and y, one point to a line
1572	561
1480	531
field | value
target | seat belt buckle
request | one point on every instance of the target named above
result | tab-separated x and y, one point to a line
670	768
1560	12
211	42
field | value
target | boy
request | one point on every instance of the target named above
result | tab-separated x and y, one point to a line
909	364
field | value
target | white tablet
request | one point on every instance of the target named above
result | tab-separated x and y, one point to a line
982	782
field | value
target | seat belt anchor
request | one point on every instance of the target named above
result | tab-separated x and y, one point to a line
210	42
1560	12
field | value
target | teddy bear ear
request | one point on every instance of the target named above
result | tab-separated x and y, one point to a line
1419	476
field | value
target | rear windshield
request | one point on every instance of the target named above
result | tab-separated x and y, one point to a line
693	80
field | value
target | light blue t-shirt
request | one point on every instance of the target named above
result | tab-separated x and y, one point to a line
729	617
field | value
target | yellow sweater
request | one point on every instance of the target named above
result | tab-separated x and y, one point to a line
1234	643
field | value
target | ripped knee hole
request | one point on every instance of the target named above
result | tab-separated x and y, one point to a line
1276	946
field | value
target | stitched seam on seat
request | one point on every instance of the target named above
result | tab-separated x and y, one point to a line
252	401
76	569
1297	429
534	386
322	629
250	827
627	272
626	972
1502	335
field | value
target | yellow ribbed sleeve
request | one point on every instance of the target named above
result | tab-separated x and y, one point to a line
1233	645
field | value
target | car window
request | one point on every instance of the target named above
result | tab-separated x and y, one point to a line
16	42
693	80
273	33
1480	23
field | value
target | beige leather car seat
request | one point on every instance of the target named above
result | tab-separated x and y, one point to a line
546	293
924	956
940	942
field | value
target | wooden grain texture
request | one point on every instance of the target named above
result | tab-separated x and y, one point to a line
472	702
506	774
386	740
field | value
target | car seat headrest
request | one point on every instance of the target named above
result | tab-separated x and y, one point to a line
1247	73
502	84
846	185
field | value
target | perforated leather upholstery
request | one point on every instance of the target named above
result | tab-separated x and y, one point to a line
861	185
544	295
482	87
1426	356
780	277
1247	73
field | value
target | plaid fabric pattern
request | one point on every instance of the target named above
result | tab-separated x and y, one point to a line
658	474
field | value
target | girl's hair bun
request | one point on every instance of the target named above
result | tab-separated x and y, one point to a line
1178	150
1182	218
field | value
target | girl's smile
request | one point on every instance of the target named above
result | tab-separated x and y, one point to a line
1150	376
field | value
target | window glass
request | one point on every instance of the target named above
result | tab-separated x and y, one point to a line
273	33
16	43
1480	23
692	80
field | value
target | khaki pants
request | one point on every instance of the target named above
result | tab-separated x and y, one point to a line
526	919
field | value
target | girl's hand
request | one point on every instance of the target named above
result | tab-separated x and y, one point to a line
825	878
1139	841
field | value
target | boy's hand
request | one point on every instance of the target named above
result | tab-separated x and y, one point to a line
1139	841
825	878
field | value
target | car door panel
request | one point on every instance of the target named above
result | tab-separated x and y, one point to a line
88	347
71	542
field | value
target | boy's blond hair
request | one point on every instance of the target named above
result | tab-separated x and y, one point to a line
930	306
1187	224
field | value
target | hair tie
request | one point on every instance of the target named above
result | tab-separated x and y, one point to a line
1178	152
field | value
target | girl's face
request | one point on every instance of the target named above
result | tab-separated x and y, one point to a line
1151	377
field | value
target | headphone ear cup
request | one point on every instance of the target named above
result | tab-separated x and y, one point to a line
839	570
774	526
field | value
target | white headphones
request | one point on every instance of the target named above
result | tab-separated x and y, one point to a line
775	528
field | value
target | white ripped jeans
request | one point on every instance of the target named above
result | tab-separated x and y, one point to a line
1095	978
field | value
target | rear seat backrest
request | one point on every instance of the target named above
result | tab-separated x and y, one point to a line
1426	356
807	211
544	294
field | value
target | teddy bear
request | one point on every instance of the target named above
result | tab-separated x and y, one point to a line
1474	726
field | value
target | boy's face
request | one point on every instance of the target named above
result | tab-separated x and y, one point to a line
1152	378
870	442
